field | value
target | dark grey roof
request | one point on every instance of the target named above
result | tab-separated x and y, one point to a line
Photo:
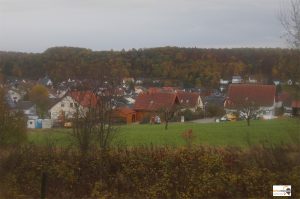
44	80
24	105
53	101
215	100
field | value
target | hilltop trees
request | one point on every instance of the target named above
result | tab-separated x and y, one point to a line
290	65
191	66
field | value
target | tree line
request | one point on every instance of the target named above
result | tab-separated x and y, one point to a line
192	66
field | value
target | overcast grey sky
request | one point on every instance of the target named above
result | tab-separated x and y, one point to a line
35	25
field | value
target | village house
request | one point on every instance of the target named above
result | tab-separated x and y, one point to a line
236	79
284	100
223	84
150	104
127	80
191	101
46	81
291	106
262	96
296	107
67	106
252	80
28	108
15	95
156	99
63	108
139	81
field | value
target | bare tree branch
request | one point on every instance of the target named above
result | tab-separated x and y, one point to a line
289	16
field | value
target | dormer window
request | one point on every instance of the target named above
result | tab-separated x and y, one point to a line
62	104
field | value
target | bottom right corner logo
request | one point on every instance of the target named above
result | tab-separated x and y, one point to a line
282	190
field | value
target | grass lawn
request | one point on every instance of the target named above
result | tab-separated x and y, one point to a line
214	134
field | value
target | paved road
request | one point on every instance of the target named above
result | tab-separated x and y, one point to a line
205	120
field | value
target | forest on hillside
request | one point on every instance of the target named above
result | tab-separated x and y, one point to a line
192	66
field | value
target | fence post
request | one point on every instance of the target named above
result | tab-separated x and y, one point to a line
44	185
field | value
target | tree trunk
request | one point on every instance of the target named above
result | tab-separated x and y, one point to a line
248	121
166	125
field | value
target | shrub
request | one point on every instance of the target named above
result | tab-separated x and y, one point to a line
214	111
202	172
190	115
12	125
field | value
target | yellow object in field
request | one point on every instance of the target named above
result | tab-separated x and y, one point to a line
68	125
231	117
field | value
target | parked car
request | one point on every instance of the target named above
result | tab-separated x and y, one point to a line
228	117
223	119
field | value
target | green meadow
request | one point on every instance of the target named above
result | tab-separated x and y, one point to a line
268	132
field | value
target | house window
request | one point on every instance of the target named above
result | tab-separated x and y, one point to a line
62	105
71	105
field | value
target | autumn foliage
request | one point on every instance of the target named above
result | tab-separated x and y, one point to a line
190	66
201	172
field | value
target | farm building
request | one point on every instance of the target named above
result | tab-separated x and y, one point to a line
125	114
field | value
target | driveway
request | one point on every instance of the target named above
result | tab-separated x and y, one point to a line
205	120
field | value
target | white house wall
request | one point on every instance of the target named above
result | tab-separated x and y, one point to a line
66	105
14	96
200	103
31	124
265	112
194	109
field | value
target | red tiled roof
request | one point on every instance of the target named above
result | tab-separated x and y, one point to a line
261	95
296	104
188	99
155	101
154	90
84	98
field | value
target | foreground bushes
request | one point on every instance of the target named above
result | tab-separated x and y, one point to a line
150	172
12	124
